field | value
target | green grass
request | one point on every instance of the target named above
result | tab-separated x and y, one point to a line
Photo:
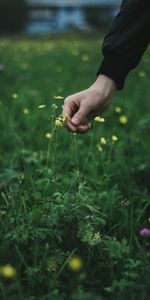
62	197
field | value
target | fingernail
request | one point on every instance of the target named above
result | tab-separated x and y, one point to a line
74	121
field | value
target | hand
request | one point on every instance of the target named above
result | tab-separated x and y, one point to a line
85	105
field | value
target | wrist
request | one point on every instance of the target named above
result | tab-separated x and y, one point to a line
104	85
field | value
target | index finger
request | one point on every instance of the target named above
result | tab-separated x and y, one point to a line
67	114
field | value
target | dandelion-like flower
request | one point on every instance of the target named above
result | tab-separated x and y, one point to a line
48	135
103	141
114	138
65	118
97	237
25	111
54	105
75	263
7	271
141	73
99	119
118	109
58	97
85	57
99	147
14	96
75	52
42	106
123	119
58	123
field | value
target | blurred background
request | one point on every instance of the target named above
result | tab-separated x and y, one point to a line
40	17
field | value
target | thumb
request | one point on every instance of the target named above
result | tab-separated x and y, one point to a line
79	116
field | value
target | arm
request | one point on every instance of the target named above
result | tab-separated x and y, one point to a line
122	48
126	40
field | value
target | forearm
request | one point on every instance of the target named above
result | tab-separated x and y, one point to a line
126	40
104	85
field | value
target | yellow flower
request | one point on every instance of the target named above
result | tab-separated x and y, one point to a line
65	118
48	135
123	119
97	236
7	271
141	73
75	52
99	119
75	263
103	141
54	105
14	96
58	123
102	120
42	106
85	57
114	138
58	97
25	111
118	109
99	147
149	219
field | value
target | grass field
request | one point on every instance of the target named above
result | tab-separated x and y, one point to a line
71	206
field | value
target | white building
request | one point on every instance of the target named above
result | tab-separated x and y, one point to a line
60	15
71	3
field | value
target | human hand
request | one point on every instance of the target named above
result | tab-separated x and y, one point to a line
85	105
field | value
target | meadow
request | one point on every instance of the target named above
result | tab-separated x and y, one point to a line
74	208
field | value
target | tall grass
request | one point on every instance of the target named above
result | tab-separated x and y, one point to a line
71	212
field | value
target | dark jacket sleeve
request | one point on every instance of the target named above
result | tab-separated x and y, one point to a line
126	41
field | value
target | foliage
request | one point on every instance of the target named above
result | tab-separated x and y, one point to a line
65	195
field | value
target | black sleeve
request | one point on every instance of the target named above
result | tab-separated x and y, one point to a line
126	41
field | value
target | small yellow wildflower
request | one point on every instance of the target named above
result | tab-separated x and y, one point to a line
85	57
99	147
97	237
7	271
118	109
65	118
123	119
35	154
48	135
149	219
25	111
54	105
42	106
103	141
141	73
75	52
14	96
58	123
114	138
99	119
58	97
75	263
102	120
